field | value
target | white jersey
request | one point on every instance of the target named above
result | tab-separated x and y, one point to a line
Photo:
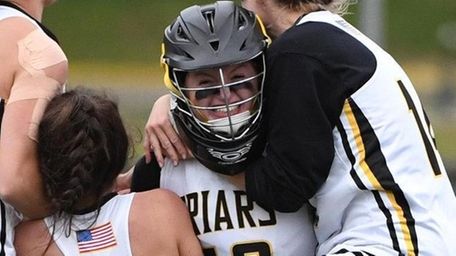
9	218
8	12
227	223
108	236
379	196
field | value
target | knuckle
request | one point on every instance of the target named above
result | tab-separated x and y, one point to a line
174	140
166	145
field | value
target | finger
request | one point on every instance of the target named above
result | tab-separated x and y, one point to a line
147	146
168	147
156	148
189	153
175	140
147	153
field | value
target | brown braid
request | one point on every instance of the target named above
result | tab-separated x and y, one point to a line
82	147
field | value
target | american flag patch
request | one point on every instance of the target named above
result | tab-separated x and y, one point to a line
97	238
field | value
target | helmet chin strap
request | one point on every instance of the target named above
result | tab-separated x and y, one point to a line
226	126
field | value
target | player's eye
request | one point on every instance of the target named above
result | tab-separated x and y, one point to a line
244	85
203	94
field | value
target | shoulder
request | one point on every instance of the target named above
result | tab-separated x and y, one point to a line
12	30
159	212
315	38
17	26
163	209
32	238
31	228
160	202
308	34
321	43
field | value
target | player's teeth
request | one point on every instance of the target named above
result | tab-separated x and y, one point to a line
225	109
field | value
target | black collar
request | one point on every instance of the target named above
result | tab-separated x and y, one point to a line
92	208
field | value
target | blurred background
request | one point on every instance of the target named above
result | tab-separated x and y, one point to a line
115	45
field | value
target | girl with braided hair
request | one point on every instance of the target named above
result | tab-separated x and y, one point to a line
83	147
346	133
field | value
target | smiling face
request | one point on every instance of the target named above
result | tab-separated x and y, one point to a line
220	92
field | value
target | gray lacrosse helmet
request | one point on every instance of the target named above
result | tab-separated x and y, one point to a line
211	37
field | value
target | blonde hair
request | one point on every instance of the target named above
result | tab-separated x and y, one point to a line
335	6
338	6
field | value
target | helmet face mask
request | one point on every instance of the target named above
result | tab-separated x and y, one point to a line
214	67
224	101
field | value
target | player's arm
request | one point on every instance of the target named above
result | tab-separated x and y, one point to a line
20	180
300	150
159	135
145	176
30	88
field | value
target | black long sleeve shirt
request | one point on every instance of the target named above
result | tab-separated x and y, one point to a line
311	69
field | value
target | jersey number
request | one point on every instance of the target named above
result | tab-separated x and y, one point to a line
247	249
427	143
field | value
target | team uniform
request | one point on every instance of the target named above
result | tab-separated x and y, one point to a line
224	219
6	229
357	144
9	218
108	235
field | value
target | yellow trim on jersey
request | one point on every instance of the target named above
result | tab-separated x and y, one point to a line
373	180
360	145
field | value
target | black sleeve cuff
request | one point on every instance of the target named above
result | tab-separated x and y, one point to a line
145	176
